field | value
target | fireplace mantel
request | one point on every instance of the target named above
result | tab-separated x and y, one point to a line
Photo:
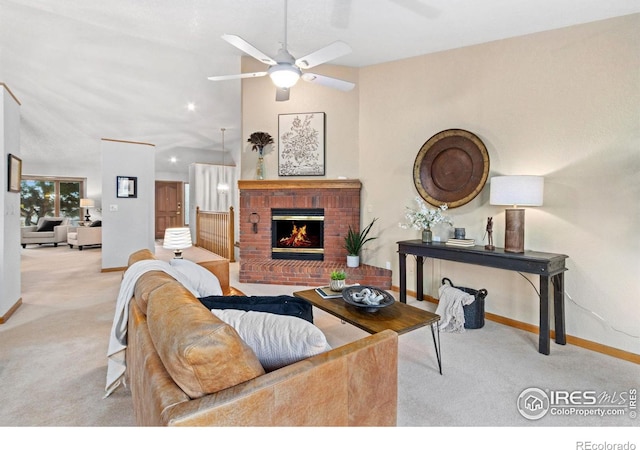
298	184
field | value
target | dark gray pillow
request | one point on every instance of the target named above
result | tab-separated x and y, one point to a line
97	223
48	225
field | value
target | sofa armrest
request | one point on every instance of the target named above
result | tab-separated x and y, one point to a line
60	232
352	385
28	229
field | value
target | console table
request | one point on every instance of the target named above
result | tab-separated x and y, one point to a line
549	266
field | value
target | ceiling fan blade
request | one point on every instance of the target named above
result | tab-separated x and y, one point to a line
249	49
237	76
334	83
282	94
331	51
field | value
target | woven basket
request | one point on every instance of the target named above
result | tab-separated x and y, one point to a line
473	313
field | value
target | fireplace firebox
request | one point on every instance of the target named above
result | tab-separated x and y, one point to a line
297	234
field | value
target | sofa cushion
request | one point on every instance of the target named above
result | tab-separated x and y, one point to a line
203	281
41	235
201	353
48	225
277	340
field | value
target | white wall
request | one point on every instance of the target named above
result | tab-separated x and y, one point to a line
10	279
563	104
130	226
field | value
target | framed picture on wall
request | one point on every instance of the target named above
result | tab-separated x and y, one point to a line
126	187
15	173
301	147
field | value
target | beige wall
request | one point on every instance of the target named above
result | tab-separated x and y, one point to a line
260	113
562	104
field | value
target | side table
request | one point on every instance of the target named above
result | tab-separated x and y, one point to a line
549	266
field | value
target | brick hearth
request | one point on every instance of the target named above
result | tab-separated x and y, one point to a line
340	200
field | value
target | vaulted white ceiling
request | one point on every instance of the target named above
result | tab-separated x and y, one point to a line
126	69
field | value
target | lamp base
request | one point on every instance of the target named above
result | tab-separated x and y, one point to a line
514	231
177	254
87	218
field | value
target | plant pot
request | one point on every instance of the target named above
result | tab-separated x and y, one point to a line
427	236
337	285
353	260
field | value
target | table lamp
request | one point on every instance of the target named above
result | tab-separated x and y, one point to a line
177	239
87	203
516	190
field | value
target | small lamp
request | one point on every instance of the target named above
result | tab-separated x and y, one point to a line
177	239
523	190
87	203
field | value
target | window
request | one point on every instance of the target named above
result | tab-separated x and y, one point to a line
50	197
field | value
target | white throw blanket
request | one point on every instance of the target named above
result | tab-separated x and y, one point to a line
116	364
451	308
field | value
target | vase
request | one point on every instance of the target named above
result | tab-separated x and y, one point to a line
337	285
427	236
260	168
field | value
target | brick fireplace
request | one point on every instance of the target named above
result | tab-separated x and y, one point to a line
340	202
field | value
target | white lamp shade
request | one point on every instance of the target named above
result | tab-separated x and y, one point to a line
522	190
284	76
87	203
177	238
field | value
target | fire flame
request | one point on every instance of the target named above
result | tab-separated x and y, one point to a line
298	238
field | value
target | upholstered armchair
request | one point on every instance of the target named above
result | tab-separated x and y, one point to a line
85	236
49	230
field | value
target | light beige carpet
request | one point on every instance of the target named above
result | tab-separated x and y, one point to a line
53	358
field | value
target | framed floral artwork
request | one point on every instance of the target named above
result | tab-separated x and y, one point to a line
301	144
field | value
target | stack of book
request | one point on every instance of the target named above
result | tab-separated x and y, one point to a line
461	242
326	292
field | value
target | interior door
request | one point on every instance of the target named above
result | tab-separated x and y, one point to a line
169	214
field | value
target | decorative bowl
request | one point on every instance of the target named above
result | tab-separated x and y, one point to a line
350	295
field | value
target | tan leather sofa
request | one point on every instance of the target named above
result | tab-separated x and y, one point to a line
185	367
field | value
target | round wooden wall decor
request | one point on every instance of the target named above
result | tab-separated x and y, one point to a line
451	167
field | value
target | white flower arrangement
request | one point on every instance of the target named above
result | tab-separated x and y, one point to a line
423	218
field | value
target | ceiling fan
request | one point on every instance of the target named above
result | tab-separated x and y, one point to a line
285	70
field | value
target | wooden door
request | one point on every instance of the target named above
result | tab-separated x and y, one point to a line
168	206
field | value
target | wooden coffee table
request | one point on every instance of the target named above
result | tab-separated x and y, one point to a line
398	317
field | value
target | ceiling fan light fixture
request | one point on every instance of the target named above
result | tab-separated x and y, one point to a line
284	75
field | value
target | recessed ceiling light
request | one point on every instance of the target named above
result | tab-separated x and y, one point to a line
173	159
191	106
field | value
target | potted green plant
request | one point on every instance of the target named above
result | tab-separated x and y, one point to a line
337	282
354	242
